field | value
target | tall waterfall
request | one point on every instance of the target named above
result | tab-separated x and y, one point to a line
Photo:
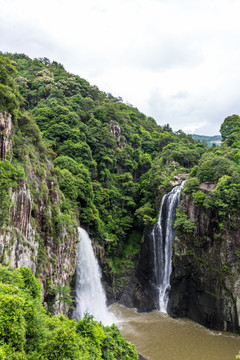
90	295
162	236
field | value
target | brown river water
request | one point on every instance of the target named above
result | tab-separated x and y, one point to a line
159	337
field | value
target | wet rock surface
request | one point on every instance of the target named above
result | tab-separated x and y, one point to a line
137	289
205	273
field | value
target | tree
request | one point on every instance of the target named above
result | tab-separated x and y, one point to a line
213	169
231	124
8	93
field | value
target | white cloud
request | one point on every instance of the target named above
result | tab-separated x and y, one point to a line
177	61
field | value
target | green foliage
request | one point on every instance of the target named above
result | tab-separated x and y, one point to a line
63	342
12	321
59	292
192	185
8	93
214	168
219	166
110	159
225	268
28	128
230	125
145	214
182	223
183	154
66	162
27	333
115	347
226	195
198	197
31	283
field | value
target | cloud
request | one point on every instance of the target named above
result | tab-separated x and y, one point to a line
177	61
166	52
184	111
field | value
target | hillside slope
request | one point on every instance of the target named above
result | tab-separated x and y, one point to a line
71	154
111	163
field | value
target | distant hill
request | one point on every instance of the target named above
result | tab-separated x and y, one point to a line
209	140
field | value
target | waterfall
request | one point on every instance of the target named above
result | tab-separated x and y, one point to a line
90	295
162	236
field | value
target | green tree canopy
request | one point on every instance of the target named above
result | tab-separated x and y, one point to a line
230	125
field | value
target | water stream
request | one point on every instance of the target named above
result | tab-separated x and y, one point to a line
90	295
162	236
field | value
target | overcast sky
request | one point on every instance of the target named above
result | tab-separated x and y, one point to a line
175	60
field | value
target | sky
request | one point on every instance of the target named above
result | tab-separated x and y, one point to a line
177	61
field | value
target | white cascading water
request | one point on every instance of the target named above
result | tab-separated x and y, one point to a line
90	295
162	236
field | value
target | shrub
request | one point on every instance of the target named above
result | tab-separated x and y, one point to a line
27	333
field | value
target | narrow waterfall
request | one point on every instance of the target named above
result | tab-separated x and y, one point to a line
90	295
162	236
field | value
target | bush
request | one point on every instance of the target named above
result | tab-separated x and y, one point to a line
199	197
27	333
211	170
183	223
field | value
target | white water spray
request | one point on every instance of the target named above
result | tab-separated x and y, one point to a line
162	235
90	295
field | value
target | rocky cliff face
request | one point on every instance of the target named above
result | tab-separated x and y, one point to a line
132	286
37	234
117	132
205	281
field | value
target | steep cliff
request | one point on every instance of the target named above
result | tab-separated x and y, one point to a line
35	232
205	281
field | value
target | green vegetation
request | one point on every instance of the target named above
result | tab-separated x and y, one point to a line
27	332
182	223
85	156
8	90
109	158
108	166
219	168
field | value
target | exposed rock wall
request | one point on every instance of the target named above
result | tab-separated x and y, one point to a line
117	132
21	211
132	286
52	257
17	250
205	281
36	235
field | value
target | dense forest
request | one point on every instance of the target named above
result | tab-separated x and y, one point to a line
111	162
92	160
218	166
